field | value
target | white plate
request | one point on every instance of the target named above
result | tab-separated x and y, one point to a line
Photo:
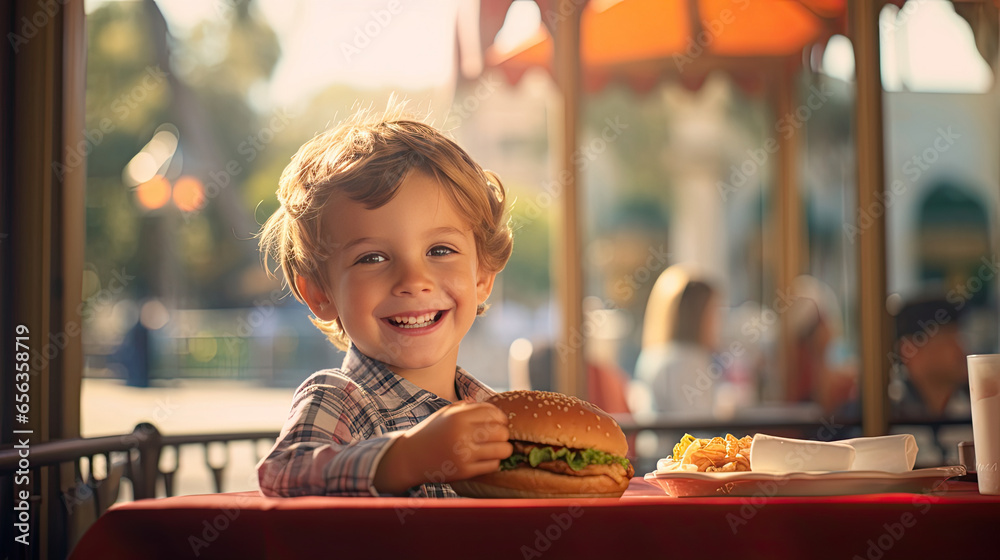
691	484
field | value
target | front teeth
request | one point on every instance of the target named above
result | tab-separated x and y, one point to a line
417	322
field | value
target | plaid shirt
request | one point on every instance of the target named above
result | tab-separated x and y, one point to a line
342	422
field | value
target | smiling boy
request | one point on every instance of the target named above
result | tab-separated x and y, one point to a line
393	236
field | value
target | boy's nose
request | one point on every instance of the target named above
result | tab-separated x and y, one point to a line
413	279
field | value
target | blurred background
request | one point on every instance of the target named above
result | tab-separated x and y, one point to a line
194	108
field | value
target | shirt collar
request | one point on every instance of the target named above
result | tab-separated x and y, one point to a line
373	376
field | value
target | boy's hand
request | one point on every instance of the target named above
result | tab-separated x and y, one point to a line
459	441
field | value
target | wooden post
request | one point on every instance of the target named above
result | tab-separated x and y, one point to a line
874	328
788	224
73	216
568	266
42	243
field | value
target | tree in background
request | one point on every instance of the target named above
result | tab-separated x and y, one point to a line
142	79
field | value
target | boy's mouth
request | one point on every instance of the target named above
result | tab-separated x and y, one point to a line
415	321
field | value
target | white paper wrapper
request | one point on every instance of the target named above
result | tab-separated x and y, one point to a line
895	453
780	455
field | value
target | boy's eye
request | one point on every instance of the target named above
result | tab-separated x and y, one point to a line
370	258
440	251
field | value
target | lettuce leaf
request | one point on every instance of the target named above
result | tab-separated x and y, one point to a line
577	459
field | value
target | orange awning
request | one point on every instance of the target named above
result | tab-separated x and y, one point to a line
641	41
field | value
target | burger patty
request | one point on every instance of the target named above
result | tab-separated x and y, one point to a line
615	471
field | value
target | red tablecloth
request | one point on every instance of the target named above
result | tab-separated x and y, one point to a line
956	522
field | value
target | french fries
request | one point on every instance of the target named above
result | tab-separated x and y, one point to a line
717	454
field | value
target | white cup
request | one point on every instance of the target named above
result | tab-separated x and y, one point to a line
984	388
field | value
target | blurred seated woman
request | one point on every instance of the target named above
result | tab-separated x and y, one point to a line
679	336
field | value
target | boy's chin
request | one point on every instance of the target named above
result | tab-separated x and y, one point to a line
411	358
421	359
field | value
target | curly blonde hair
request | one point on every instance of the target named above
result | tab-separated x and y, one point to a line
366	158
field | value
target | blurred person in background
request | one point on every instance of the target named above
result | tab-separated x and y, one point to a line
930	375
533	364
814	322
680	334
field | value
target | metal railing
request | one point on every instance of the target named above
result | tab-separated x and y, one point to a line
74	497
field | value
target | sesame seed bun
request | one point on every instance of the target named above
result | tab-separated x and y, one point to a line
557	419
538	483
539	419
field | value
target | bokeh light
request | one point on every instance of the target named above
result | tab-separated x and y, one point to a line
154	315
203	347
189	194
521	349
154	193
154	157
142	168
838	58
91	283
125	314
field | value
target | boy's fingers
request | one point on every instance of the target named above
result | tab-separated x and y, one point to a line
501	433
491	413
494	450
483	467
490	431
500	449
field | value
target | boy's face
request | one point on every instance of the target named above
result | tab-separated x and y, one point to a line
404	278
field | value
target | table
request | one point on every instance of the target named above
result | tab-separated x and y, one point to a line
644	523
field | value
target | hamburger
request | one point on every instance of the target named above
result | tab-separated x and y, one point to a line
564	447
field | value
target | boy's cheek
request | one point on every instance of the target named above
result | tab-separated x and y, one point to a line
458	284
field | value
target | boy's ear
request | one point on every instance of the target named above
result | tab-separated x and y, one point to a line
319	303
484	284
